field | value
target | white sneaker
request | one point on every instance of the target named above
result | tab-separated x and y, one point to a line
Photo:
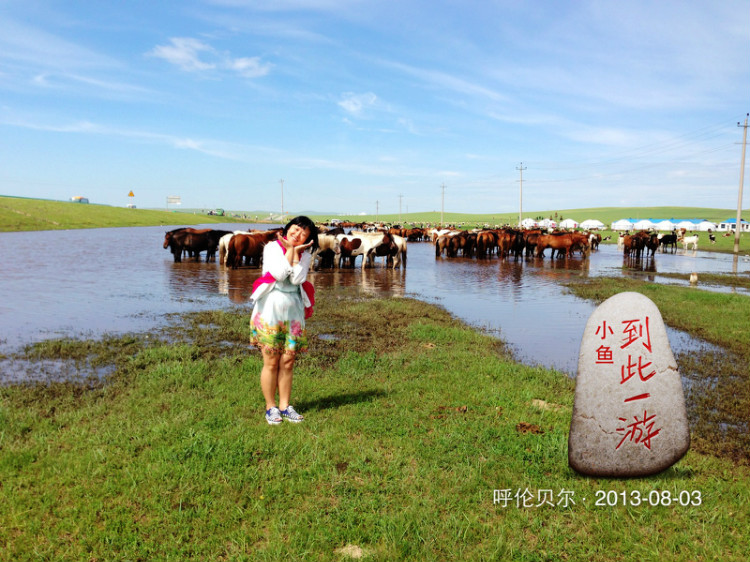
290	414
273	416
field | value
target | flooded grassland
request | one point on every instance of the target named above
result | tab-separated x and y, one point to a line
94	300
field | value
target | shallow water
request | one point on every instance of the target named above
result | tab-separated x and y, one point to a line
118	280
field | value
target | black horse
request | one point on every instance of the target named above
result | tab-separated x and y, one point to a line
668	240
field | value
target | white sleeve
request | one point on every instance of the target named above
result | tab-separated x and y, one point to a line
299	271
275	263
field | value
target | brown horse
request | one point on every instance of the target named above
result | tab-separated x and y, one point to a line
561	243
509	241
530	237
486	243
633	245
193	241
345	248
168	236
248	247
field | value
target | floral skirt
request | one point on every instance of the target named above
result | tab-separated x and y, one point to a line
278	322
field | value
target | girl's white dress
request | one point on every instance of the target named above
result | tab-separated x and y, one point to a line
278	318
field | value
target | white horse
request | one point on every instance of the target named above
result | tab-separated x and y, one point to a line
325	242
687	240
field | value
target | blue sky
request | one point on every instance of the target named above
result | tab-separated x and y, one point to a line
361	105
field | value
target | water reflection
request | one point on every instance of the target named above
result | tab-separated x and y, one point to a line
376	281
634	263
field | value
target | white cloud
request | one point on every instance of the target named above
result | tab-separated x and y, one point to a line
249	67
357	104
185	53
192	55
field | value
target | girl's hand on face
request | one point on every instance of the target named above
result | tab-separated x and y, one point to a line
286	243
302	247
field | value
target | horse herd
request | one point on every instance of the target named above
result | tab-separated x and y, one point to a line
507	242
644	242
338	248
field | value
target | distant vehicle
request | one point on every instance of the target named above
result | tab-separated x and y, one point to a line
131	206
79	199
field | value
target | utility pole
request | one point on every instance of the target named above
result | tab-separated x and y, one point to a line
520	196
442	206
282	199
742	181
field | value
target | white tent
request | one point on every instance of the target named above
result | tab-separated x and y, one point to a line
705	226
529	223
665	224
568	223
644	224
592	224
687	225
547	223
622	224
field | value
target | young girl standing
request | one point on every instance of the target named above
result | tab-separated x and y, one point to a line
283	300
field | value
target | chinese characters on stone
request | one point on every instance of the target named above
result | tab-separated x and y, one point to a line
634	335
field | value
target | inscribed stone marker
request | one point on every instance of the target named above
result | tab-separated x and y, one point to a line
629	415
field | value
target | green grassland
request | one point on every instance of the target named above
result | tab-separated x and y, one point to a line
17	213
20	214
416	429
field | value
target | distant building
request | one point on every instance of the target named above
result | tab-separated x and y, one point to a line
79	199
731	224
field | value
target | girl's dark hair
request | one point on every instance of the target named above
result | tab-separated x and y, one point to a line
304	222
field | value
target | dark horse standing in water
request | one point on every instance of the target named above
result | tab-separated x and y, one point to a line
193	241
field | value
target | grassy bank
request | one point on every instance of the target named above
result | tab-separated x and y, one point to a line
412	421
19	214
